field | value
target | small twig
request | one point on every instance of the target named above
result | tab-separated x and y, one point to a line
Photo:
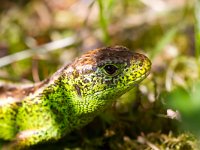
142	139
35	71
37	50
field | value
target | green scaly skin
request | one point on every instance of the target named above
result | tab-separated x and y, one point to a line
69	99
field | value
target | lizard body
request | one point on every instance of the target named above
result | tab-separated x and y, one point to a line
71	98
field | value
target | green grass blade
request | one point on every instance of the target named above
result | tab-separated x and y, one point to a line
167	38
197	29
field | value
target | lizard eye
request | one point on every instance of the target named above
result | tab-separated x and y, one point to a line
110	69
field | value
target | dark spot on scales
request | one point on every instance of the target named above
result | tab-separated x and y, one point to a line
78	90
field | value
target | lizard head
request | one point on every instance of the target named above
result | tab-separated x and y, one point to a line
107	73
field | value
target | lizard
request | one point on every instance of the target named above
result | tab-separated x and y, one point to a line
69	99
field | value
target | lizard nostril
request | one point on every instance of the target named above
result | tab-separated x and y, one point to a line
140	64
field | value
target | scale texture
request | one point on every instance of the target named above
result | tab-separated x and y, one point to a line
70	98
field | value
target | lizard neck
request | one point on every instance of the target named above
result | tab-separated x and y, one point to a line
70	109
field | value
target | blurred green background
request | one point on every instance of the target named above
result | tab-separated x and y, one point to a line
163	112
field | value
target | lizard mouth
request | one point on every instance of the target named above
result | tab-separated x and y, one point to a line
143	76
121	91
